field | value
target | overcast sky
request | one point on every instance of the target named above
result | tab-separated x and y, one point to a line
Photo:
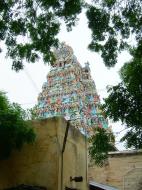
24	87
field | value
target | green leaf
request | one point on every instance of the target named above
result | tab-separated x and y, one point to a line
14	129
101	142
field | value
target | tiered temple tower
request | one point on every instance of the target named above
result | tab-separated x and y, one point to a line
70	92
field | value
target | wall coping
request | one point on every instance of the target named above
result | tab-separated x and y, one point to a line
124	153
103	186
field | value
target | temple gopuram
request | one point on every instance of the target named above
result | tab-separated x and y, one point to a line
71	92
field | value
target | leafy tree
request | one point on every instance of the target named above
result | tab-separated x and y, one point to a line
125	100
31	114
101	142
14	130
114	24
29	27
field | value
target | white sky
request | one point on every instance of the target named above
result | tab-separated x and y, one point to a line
23	87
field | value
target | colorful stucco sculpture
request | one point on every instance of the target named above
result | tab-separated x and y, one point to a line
71	92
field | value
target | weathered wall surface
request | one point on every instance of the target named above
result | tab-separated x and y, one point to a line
74	159
124	171
133	179
75	163
40	163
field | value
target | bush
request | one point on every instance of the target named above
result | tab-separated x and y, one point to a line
14	129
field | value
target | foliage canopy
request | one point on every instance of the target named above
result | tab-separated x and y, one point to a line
14	130
101	142
29	28
114	25
124	102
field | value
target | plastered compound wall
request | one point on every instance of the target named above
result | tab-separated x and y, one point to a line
40	163
124	171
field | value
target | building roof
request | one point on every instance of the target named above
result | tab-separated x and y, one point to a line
104	187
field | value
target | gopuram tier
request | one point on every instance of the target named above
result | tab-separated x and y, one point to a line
71	92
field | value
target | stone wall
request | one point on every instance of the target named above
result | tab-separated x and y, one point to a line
124	171
40	163
133	179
